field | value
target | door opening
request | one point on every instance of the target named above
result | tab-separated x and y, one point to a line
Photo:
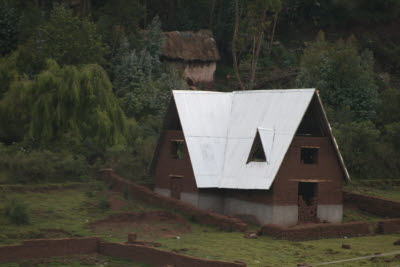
176	186
307	202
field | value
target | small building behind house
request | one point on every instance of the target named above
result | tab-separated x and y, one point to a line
195	53
269	154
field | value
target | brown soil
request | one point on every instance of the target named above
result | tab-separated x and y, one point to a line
147	225
53	233
115	203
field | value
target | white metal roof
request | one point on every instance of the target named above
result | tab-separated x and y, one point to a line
220	128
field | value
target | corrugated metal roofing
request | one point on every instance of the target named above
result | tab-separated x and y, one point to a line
220	128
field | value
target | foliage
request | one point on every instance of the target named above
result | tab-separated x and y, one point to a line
9	28
69	39
37	166
344	77
140	79
67	105
17	211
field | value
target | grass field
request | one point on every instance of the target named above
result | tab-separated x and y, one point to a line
385	191
64	213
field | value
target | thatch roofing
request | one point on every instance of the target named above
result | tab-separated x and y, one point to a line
190	46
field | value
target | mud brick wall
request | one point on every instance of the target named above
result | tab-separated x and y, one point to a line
379	206
205	217
315	231
388	226
158	257
43	248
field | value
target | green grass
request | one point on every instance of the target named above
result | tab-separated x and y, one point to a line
70	211
384	191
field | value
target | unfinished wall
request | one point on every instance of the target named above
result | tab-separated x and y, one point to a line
202	216
375	205
388	226
316	231
44	248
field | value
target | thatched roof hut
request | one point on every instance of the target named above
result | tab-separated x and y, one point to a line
196	53
190	46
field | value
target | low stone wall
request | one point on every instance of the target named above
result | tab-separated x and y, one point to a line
205	217
45	248
388	226
375	205
315	231
158	257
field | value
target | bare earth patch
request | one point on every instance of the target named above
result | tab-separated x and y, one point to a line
147	225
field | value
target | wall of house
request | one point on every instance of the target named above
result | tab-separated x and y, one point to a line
327	172
167	166
279	205
197	72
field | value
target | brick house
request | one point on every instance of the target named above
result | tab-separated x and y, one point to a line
266	153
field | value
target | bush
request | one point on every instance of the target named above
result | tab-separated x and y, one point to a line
41	166
104	203
344	76
16	211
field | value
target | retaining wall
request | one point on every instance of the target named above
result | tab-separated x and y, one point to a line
158	257
315	231
45	248
205	217
375	205
388	226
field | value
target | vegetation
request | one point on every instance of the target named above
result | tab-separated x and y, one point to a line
66	212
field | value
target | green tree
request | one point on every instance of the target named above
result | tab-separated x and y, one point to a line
9	24
69	40
344	77
67	105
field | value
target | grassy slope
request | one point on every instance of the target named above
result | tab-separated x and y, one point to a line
388	192
71	209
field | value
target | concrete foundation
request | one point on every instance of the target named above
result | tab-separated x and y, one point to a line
191	198
163	191
211	202
262	212
330	213
285	215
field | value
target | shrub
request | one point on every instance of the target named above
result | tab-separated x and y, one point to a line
104	203
344	76
16	211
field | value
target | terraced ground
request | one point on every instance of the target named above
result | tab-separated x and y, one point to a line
83	211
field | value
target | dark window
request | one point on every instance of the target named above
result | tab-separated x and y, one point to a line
309	155
257	151
177	149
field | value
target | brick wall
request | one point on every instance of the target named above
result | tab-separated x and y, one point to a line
379	206
158	257
139	192
316	231
388	226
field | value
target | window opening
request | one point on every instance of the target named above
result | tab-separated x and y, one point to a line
257	153
309	155
177	149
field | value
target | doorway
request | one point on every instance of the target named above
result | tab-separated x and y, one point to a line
176	187
307	202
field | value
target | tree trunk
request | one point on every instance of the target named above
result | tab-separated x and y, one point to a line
273	33
212	13
235	64
255	61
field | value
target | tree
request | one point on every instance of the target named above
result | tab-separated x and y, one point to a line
344	77
69	40
66	104
255	22
9	24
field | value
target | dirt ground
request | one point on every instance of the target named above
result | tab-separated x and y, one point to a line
147	225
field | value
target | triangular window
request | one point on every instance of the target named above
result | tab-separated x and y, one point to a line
257	152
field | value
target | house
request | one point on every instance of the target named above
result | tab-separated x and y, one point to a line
195	53
266	153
